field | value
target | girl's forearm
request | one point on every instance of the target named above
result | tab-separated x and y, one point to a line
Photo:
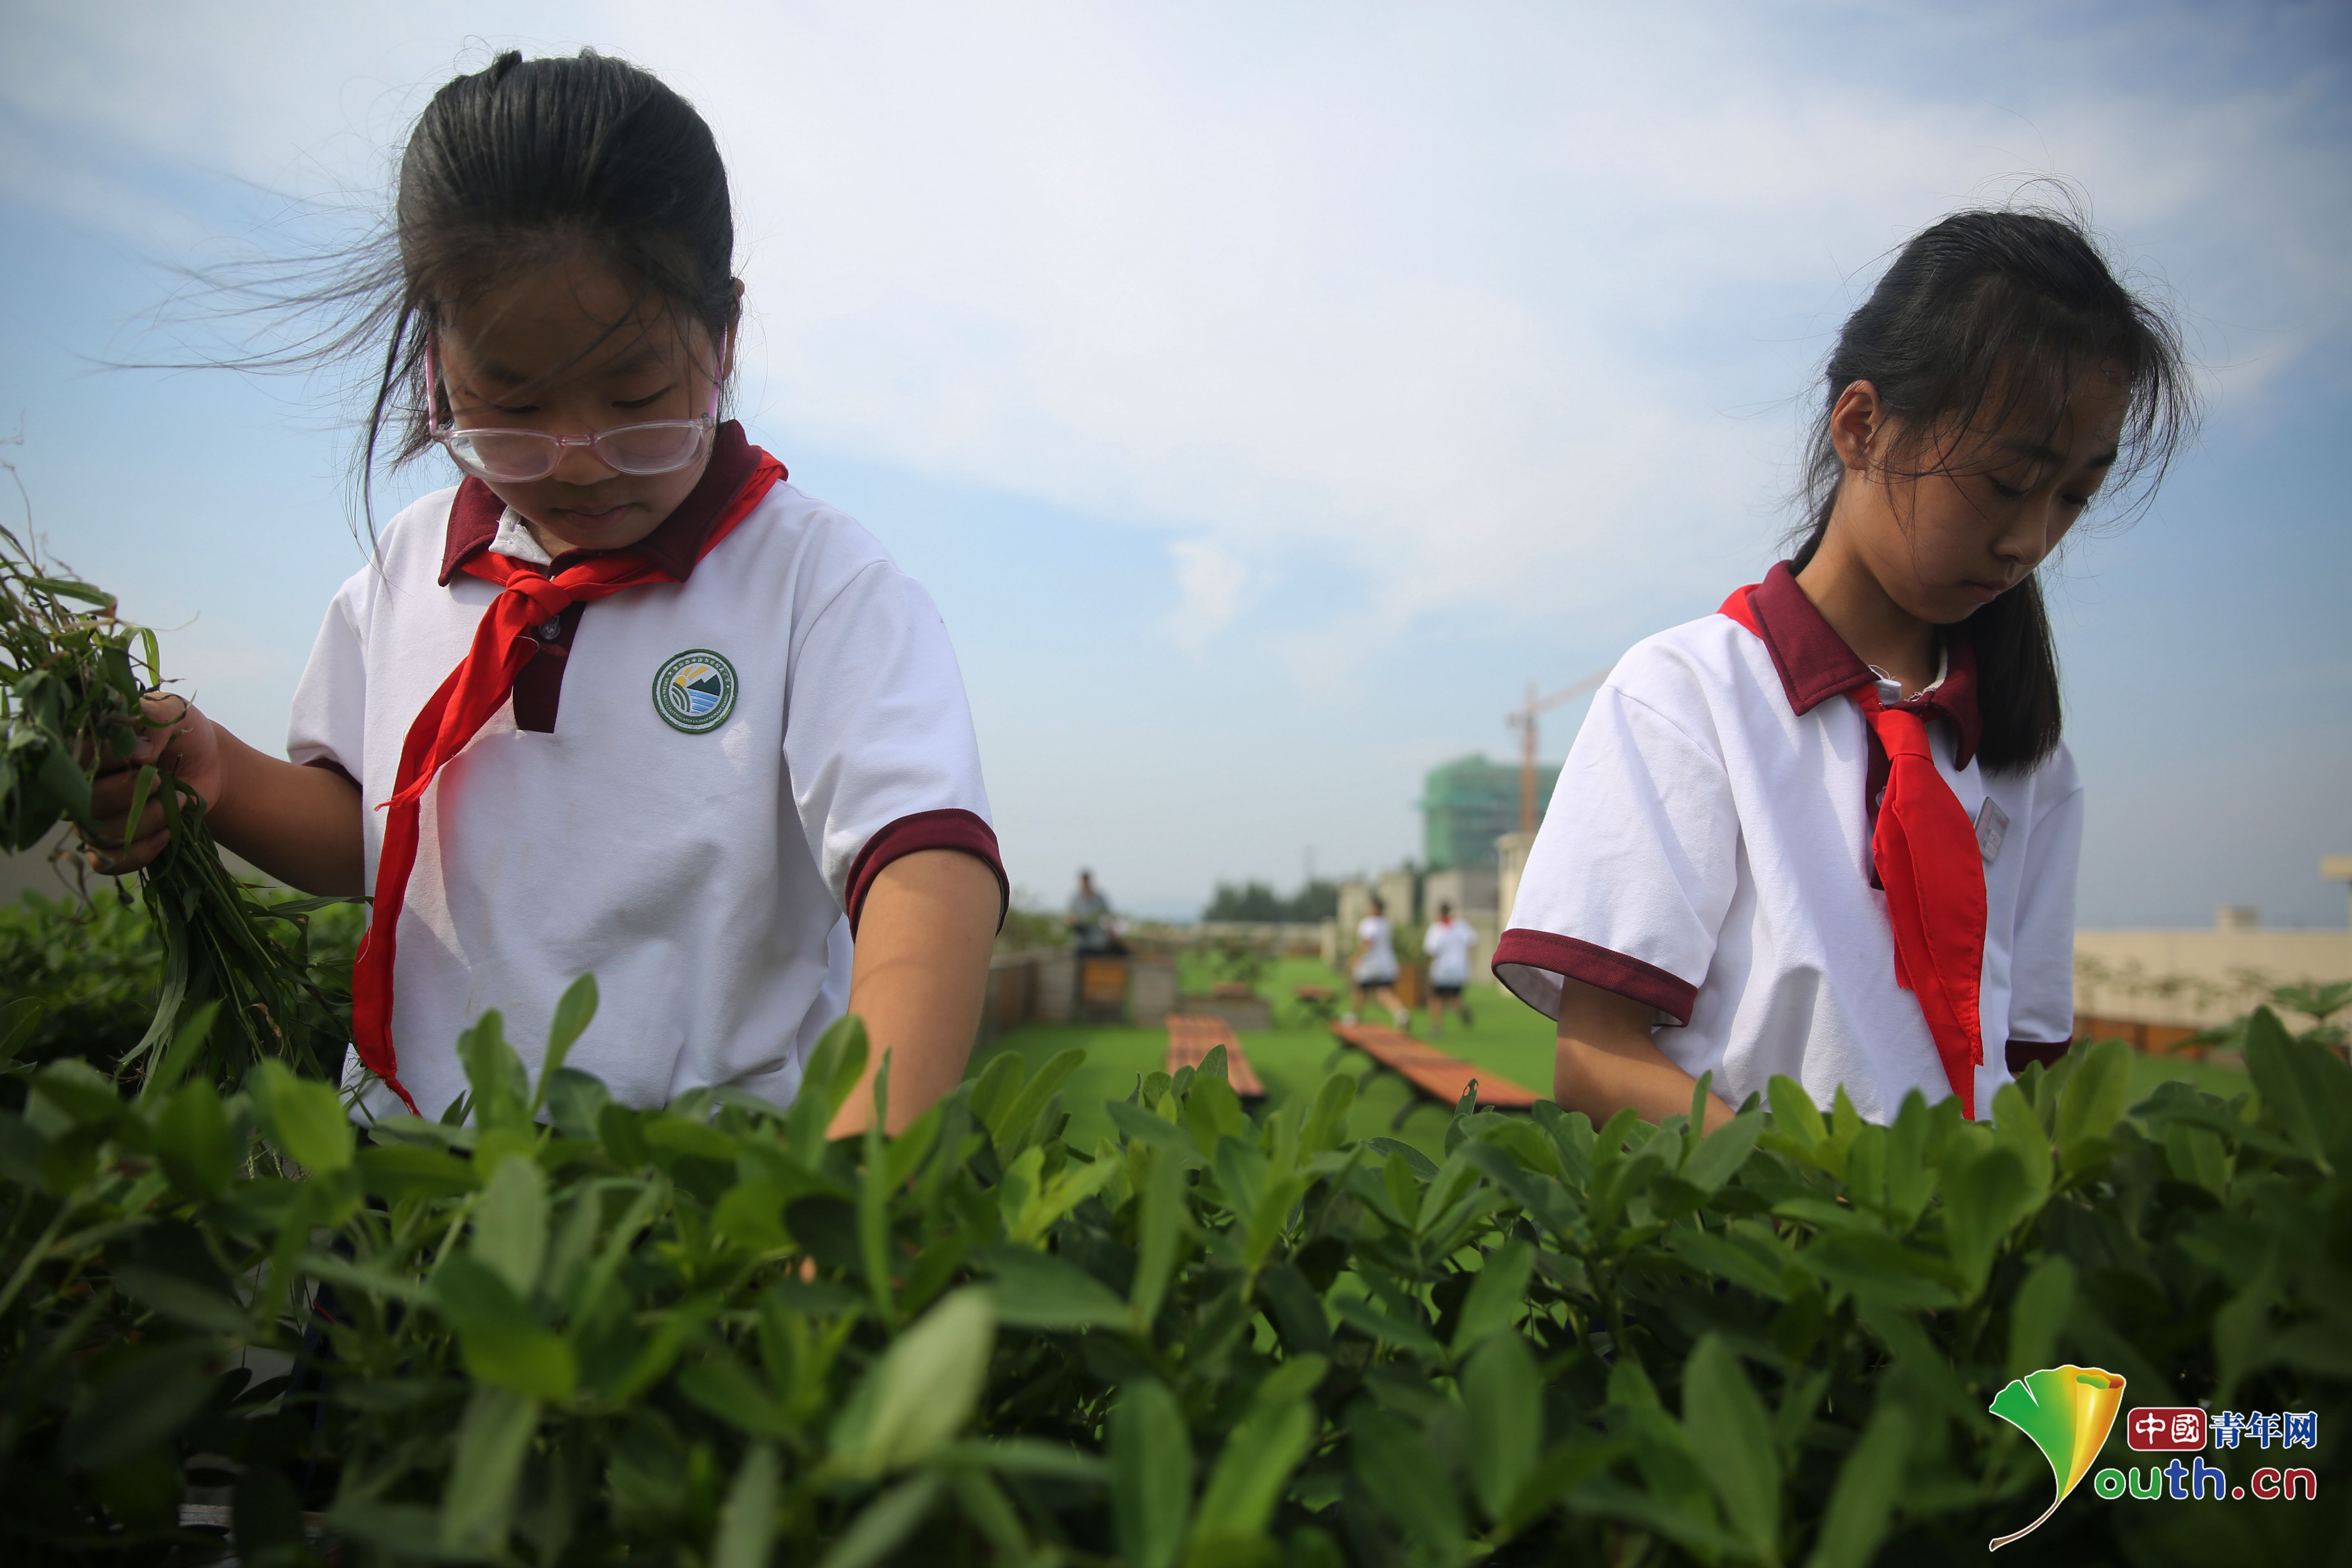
1605	1060
917	980
301	826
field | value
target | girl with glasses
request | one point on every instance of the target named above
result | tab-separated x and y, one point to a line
623	700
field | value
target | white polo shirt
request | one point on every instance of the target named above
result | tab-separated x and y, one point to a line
1448	944
689	796
1707	852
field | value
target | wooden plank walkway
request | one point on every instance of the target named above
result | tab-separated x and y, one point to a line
1444	1079
1193	1035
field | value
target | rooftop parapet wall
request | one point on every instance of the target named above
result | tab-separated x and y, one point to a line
2195	979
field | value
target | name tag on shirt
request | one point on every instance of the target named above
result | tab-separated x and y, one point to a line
1992	827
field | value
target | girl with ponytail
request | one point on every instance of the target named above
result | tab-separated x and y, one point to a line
1831	831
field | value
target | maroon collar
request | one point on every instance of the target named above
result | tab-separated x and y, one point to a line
1815	664
674	545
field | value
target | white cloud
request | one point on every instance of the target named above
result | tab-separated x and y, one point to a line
1418	291
1211	582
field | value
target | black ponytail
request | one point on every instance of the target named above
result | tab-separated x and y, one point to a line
1985	317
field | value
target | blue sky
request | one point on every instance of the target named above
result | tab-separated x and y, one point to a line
1267	392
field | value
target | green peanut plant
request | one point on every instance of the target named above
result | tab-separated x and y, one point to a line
73	677
551	1329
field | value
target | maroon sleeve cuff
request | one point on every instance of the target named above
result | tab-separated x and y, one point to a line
949	829
328	764
2022	1054
1595	965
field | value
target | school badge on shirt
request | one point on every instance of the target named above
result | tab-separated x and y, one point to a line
694	691
1992	827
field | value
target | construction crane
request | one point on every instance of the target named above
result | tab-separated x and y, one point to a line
1524	720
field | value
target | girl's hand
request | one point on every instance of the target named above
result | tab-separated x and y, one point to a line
180	741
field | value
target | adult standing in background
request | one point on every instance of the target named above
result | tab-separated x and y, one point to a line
1088	918
1373	967
1449	944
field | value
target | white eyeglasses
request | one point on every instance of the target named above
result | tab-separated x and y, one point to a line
518	456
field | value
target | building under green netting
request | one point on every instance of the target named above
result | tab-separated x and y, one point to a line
1466	803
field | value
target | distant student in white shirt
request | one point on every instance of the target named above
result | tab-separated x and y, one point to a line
1449	944
1373	970
638	706
1831	831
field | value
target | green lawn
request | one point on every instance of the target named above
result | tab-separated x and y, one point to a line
1508	1036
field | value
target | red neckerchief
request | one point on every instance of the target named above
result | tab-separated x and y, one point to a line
1928	861
481	684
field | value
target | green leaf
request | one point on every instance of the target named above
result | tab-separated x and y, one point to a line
1036	1290
1731	1432
1327	1122
998	1082
398	1171
1152	1474
1213	1111
2018	1129
751	1212
1862	1503
1358	1313
502	1343
187	1044
501	1085
1739	1261
1564	1467
1141	1126
987	1509
747	1520
1160	1231
67	588
833	1071
1497	1297
1502	1395
2093	1103
1252	1471
2306	1089
2037	1313
81	1093
1722	1152
1795	1117
1014	1118
572	1013
137	1408
510	1225
923	1390
493	1441
1981	1205
1030	1457
193	1141
169	1270
21	1015
529	1362
304	1118
576	1102
883	1524
1406	1480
